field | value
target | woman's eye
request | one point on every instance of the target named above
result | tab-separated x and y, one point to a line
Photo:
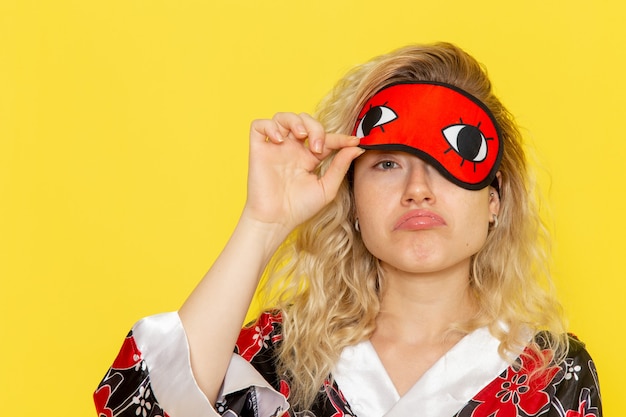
375	117
387	165
467	141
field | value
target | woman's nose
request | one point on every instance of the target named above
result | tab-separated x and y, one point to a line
418	186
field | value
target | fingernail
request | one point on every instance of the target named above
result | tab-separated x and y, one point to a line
317	147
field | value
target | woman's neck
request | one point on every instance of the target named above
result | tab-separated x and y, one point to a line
422	307
414	326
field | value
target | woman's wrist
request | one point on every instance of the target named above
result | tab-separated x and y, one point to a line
266	235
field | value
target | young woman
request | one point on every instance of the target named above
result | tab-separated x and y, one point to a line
407	269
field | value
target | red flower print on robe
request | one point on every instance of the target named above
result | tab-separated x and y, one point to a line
101	398
253	339
285	389
515	390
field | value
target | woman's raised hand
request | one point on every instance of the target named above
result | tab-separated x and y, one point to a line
283	191
283	187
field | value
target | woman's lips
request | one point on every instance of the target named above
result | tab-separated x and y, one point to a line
419	220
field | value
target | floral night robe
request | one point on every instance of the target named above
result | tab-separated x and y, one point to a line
152	377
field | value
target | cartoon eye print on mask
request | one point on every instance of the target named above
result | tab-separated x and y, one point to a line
467	141
376	116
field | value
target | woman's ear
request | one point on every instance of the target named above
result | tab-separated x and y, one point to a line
494	196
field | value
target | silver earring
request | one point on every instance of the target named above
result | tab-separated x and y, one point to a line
356	225
495	221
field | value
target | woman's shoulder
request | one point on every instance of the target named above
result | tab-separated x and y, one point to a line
576	380
573	355
578	365
576	348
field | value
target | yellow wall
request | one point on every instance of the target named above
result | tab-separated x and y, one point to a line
123	137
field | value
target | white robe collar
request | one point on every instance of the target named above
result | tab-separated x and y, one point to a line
442	391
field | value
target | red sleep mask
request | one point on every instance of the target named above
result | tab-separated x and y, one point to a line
441	124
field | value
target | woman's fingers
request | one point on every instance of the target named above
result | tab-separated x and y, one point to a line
323	143
331	180
264	130
315	133
283	185
336	141
301	127
285	125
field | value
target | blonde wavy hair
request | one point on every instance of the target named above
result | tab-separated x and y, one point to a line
328	285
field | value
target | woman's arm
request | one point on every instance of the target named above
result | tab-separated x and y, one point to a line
283	191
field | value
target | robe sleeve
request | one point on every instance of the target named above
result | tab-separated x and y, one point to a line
152	376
